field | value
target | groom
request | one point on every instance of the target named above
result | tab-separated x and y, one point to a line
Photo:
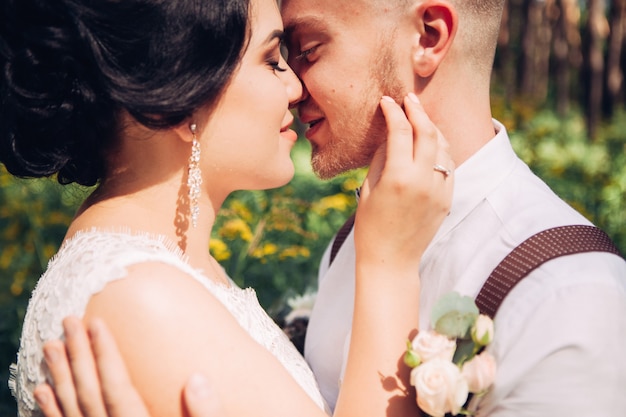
561	332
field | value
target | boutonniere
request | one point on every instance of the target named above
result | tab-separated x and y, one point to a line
449	362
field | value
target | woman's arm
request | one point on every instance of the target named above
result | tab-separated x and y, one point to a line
402	205
403	202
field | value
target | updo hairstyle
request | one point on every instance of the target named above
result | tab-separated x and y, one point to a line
69	67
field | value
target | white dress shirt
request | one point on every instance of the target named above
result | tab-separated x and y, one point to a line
560	334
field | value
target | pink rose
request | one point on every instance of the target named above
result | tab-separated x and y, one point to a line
430	345
480	372
440	387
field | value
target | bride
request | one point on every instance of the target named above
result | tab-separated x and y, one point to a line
169	106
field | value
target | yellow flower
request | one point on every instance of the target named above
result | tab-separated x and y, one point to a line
49	250
265	250
17	287
241	210
7	256
294	252
350	184
236	228
219	250
339	202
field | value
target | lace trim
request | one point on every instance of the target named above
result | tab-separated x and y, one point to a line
104	257
13	379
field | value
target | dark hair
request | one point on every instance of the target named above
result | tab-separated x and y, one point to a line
69	67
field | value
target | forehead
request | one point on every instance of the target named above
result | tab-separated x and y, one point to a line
337	11
264	13
326	16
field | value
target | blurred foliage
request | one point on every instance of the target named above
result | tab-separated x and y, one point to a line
589	175
273	240
34	215
270	240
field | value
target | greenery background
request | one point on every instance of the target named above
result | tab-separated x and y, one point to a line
272	240
558	88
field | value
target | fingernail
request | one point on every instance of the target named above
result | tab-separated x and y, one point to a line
413	97
41	398
50	354
198	386
389	99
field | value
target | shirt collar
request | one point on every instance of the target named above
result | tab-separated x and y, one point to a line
475	178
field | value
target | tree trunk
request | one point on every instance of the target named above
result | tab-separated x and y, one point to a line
614	73
536	49
597	32
567	54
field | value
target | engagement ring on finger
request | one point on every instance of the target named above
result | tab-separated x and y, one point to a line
440	168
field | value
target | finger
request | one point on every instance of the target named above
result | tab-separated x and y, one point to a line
444	163
375	171
58	364
400	135
393	115
426	133
84	370
46	401
200	399
121	399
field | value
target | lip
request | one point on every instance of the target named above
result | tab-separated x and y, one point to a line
314	123
285	127
285	130
308	118
289	134
314	126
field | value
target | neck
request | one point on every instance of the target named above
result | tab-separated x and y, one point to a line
158	209
461	109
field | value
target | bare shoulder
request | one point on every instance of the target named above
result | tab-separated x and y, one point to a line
154	288
165	323
168	325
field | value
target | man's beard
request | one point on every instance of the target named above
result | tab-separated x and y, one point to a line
358	132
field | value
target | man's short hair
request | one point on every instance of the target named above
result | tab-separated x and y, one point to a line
479	26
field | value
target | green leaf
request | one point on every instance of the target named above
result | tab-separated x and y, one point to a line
465	350
453	315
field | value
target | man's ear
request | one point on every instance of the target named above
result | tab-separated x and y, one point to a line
436	24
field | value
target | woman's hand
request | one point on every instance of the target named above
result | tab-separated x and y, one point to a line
404	198
403	201
91	379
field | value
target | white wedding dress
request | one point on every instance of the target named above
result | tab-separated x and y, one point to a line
90	260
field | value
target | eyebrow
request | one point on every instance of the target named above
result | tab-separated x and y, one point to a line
276	34
305	24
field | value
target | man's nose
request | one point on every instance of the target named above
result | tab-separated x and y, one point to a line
303	96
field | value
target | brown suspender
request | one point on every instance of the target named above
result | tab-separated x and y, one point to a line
533	252
529	255
342	234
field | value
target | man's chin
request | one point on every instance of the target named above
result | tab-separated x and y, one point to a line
328	171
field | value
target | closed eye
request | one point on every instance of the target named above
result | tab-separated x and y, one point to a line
276	66
304	54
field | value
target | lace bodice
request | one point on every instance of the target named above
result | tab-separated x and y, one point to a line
90	260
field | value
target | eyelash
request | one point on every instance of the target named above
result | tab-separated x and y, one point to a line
276	66
306	53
